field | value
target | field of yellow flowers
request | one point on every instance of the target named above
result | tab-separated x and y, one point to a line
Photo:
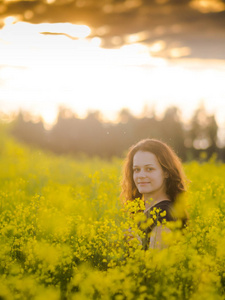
64	234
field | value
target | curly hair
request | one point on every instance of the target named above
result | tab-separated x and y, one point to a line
169	161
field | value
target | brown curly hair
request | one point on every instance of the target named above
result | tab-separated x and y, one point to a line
169	161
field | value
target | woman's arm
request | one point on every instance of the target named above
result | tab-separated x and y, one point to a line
156	241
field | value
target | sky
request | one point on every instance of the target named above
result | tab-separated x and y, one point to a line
46	65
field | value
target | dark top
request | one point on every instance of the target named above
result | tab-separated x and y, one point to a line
161	212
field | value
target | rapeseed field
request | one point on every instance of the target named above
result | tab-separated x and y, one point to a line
65	235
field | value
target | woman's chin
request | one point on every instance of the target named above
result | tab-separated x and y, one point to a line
144	191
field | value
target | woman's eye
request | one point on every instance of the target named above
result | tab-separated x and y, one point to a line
149	169
135	169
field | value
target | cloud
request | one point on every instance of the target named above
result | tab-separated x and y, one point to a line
194	28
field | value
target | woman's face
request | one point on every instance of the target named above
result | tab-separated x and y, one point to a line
148	175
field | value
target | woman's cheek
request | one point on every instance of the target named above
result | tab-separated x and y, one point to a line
135	180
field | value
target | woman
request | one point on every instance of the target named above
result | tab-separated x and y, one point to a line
153	173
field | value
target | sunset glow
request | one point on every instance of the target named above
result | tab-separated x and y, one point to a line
46	65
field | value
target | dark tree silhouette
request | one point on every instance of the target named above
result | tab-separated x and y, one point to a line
93	136
172	130
30	132
203	132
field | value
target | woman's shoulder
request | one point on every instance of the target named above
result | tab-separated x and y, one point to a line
166	204
163	203
163	209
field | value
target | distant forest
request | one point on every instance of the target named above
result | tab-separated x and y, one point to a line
95	137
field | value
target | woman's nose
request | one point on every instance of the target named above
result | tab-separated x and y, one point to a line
142	173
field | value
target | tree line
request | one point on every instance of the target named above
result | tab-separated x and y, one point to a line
95	137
